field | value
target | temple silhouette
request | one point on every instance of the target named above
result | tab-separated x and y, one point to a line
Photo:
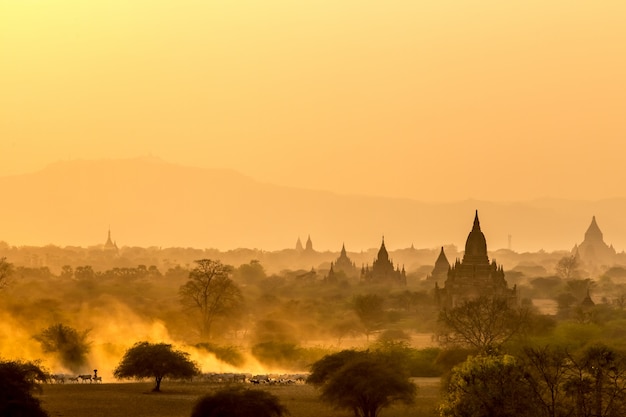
440	271
382	270
344	264
110	246
593	253
474	276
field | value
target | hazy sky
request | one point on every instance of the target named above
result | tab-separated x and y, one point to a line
436	100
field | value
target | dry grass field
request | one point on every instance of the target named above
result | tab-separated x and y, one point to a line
177	400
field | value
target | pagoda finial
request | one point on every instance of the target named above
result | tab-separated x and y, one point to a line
476	222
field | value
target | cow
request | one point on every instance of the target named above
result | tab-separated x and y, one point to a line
85	377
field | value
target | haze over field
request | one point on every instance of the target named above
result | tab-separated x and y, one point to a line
149	202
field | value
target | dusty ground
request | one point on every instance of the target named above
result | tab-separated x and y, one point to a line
177	400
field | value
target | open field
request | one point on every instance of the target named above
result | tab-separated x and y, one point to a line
177	400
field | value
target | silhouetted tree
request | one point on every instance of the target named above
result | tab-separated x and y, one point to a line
239	402
602	374
369	308
17	385
548	369
67	272
84	272
484	323
211	293
69	344
362	382
155	360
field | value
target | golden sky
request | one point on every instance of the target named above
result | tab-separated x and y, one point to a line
435	100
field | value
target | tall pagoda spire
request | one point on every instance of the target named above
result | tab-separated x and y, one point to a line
594	233
476	245
382	252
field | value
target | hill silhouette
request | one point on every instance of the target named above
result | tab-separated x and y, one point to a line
149	202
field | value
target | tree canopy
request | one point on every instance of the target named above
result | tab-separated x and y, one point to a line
155	360
485	386
364	382
239	402
17	384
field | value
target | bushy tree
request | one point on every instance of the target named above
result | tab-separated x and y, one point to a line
239	402
17	385
363	382
155	360
69	344
486	386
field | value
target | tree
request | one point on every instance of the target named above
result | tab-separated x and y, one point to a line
71	345
600	382
548	369
239	402
364	382
252	272
17	385
568	267
67	272
210	293
484	323
6	270
369	308
486	386
84	273
147	360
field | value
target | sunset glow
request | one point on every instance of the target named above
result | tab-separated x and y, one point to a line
437	101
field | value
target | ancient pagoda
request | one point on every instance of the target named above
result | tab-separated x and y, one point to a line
474	276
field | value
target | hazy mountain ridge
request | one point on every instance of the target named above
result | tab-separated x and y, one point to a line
148	202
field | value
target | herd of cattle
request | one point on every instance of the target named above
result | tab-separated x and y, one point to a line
214	378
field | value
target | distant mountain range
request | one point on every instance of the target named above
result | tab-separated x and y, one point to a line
148	202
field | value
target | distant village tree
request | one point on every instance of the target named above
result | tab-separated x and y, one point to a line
369	309
6	270
211	294
568	267
155	360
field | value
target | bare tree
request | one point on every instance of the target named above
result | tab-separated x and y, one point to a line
548	369
210	293
484	323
